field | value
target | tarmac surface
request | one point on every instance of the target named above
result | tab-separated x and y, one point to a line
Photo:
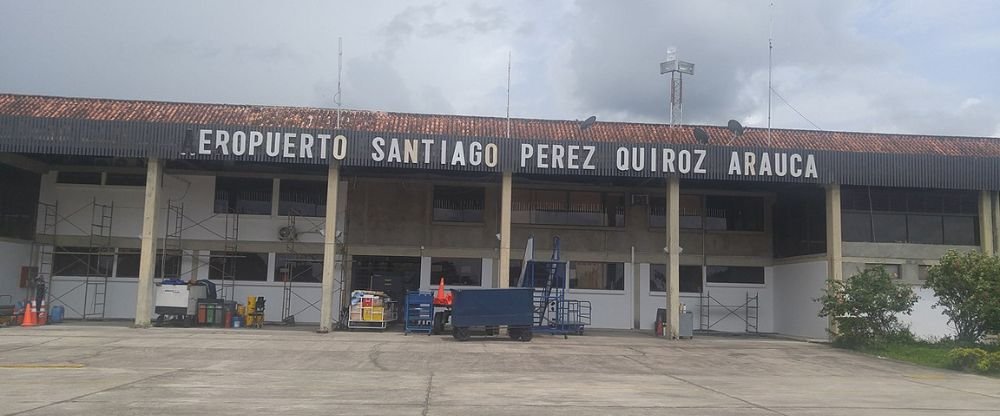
77	369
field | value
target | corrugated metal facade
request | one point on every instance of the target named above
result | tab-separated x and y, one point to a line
21	134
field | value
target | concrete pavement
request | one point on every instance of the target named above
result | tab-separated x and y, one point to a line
75	369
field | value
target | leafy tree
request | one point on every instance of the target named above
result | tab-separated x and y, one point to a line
865	307
967	286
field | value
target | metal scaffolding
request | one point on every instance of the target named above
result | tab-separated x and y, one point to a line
95	257
294	270
231	239
748	312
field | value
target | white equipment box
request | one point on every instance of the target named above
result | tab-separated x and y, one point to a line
178	299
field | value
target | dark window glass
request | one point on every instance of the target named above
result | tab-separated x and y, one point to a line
889	228
690	278
302	198
244	266
690	211
734	213
81	261
124	179
79	178
799	223
457	271
18	202
924	229
457	204
555	207
128	264
934	217
857	226
298	267
243	195
735	274
962	231
594	275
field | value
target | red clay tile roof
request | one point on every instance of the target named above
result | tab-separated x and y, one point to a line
383	122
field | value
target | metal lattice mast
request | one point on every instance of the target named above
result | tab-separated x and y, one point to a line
676	68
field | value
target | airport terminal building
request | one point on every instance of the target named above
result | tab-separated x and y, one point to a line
103	198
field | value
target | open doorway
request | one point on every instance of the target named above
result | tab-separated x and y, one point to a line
390	274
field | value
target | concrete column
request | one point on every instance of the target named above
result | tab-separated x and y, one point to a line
503	276
986	230
834	241
995	198
673	257
329	248
147	254
834	235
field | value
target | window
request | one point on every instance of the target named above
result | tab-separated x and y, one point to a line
735	274
799	222
81	261
734	213
690	279
127	264
915	216
243	195
18	202
458	204
690	211
79	178
545	273
244	266
456	271
922	272
125	179
594	275
306	268
892	269
302	198
555	207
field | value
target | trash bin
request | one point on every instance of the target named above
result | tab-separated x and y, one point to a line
686	328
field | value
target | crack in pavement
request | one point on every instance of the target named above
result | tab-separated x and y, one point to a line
427	396
747	402
96	392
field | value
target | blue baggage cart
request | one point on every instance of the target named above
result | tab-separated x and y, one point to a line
489	308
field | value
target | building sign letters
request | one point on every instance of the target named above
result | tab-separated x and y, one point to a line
496	155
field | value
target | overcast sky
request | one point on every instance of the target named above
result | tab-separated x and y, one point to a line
903	66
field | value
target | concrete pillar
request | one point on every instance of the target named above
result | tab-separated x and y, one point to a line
147	254
834	235
329	248
673	258
834	241
995	198
503	276
986	230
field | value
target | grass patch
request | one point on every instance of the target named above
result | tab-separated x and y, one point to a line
920	353
927	354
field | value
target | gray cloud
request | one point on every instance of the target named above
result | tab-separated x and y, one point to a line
848	65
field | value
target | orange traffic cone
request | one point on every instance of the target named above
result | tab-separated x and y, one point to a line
442	298
29	315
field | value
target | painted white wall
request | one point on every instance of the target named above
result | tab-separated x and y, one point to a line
13	255
927	322
795	287
731	295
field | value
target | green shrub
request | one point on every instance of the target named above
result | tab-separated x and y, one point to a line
967	286
865	308
967	359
